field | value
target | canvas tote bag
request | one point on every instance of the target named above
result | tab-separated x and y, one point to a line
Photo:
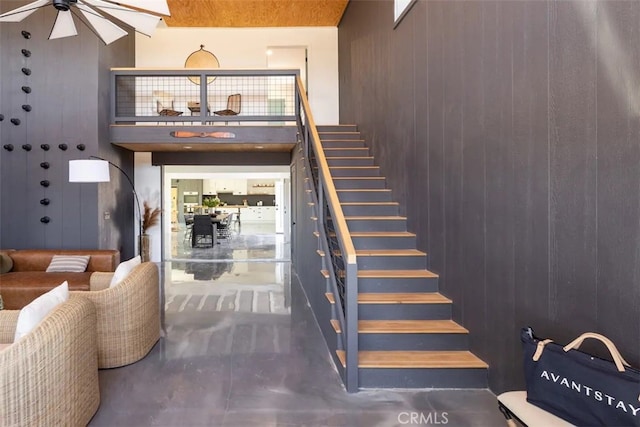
578	387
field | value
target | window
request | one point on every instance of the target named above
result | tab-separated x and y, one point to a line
400	9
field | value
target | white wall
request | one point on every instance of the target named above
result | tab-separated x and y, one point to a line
147	179
246	48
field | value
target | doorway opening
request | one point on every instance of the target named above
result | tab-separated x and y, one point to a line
248	206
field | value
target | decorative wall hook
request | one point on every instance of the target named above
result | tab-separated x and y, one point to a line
45	220
26	147
45	183
45	147
45	202
26	107
44	165
1	117
63	147
15	121
26	34
8	147
26	89
26	71
80	147
26	52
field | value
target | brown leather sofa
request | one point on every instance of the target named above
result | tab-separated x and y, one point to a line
28	278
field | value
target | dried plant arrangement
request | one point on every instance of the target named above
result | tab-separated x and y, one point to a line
150	217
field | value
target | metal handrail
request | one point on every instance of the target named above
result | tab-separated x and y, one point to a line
326	190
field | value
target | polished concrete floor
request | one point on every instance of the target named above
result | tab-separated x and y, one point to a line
242	348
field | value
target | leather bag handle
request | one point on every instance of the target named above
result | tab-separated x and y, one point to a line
615	354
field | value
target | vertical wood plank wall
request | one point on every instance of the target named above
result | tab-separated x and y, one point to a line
509	132
69	97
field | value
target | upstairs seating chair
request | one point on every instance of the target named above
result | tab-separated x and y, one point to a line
202	231
234	104
164	103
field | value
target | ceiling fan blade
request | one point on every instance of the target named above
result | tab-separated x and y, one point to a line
105	29
155	6
17	15
64	26
142	22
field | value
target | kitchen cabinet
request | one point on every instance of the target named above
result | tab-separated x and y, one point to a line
235	186
258	214
208	186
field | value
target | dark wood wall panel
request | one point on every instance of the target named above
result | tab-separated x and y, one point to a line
618	179
514	138
572	144
473	173
418	184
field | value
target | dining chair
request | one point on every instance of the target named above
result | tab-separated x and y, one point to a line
234	104
224	227
202	231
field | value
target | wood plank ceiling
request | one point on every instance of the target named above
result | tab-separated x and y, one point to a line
255	13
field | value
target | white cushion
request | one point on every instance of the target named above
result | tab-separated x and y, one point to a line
68	263
123	269
31	314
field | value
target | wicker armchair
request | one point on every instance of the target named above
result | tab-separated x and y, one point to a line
128	314
50	376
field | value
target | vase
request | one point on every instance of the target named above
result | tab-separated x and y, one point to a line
144	248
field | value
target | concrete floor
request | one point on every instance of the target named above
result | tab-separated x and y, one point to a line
242	348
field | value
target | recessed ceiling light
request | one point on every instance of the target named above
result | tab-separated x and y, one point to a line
269	52
259	147
187	147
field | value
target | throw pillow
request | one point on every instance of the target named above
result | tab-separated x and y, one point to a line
68	263
32	314
123	269
6	263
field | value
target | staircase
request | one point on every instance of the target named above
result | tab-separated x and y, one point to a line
406	337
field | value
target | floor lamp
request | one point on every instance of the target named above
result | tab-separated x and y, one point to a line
96	169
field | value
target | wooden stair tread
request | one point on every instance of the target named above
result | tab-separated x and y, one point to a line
403	298
335	178
348	157
382	252
375	218
397	273
340	140
355	167
382	234
347	148
411	326
397	298
415	359
364	190
389	252
369	203
405	327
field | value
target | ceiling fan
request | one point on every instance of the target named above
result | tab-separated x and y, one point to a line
128	11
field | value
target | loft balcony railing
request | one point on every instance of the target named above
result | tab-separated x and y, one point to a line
177	96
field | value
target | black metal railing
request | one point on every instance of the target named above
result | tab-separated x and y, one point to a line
334	238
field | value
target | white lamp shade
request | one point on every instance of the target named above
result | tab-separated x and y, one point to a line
89	171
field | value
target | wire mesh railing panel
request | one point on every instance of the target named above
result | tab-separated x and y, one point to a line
248	97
